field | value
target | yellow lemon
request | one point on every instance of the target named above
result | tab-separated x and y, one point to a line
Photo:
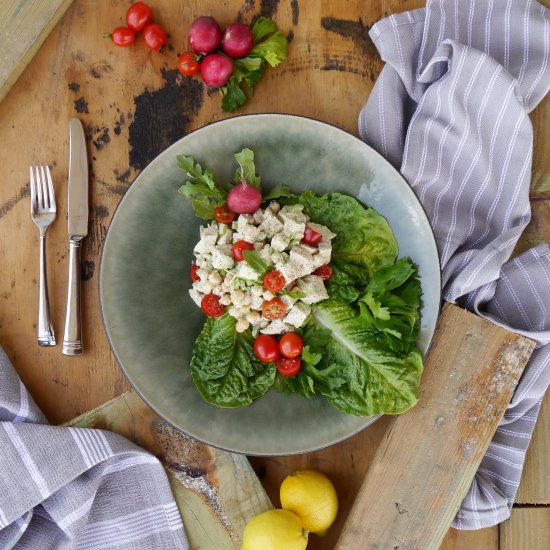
275	530
312	497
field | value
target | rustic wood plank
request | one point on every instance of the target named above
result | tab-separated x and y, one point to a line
25	25
217	492
471	372
535	482
527	529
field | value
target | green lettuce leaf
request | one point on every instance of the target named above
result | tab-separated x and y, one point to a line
277	192
224	367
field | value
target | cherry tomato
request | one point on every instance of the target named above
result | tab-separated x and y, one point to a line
289	367
138	15
123	37
291	345
274	281
154	36
266	348
194	276
238	248
311	237
224	215
210	304
325	272
274	309
189	64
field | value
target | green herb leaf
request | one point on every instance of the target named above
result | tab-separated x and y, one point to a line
247	168
205	193
294	294
272	49
232	95
254	260
263	27
277	192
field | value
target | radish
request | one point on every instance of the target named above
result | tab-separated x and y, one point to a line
243	198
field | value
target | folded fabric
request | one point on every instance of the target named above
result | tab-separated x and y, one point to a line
450	112
77	488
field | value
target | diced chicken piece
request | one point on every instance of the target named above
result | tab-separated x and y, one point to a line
249	233
203	273
293	270
209	235
274	206
280	241
287	301
318	261
258	216
226	236
265	254
222	260
195	296
311	249
268	296
215	278
299	253
256	302
203	286
276	327
313	288
271	224
217	290
297	315
294	219
325	231
244	271
325	250
263	323
204	247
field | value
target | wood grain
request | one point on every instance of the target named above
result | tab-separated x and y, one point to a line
527	529
217	492
119	94
24	25
428	457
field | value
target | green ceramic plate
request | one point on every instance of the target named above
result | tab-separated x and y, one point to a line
152	323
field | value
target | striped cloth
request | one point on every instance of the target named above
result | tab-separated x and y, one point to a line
77	488
450	111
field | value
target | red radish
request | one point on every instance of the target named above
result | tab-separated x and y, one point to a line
243	198
204	34
237	40
216	69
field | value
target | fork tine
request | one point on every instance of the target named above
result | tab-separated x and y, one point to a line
45	193
39	189
33	190
50	188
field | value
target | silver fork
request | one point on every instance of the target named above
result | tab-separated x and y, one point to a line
43	212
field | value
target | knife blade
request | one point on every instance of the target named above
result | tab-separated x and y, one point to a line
78	229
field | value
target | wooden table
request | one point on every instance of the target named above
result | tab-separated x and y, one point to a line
133	105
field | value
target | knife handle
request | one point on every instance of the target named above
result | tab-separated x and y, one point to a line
72	339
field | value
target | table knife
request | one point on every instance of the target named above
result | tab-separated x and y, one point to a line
78	229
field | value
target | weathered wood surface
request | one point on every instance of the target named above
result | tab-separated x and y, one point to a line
428	457
24	24
133	105
217	492
527	529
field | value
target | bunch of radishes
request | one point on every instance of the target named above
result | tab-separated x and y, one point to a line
205	38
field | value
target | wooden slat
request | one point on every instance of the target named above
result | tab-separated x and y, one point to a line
535	482
527	529
24	25
217	492
429	455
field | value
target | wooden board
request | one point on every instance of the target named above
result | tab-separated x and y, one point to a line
217	492
428	457
527	529
25	25
133	106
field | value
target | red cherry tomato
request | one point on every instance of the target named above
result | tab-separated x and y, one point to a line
238	248
311	237
274	281
138	15
189	64
123	37
224	215
194	276
325	272
289	367
210	304
266	348
154	36
274	309
291	345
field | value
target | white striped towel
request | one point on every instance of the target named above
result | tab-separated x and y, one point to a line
450	111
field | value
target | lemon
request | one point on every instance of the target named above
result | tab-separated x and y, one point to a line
312	497
275	530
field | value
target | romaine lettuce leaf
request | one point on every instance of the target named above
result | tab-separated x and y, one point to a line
224	367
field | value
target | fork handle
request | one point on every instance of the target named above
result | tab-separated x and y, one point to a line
72	339
45	330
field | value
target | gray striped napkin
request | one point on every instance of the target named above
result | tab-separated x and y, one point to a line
77	488
450	112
